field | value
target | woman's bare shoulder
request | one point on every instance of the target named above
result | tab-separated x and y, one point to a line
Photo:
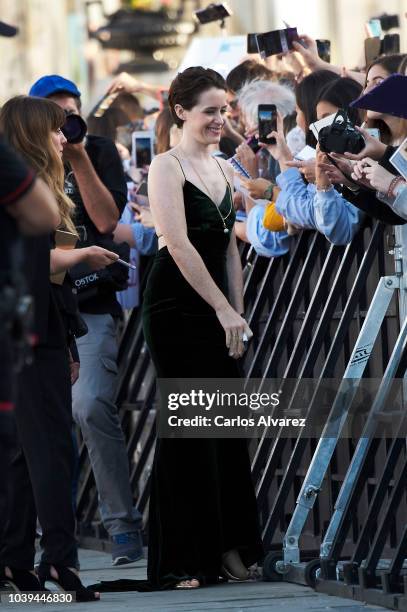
164	160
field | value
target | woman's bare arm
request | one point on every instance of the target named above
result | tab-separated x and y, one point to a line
235	275
167	206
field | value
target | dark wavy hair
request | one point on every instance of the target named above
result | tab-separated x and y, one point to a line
307	93
188	86
341	93
245	72
391	63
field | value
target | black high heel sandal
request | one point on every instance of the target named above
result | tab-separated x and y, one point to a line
22	580
67	581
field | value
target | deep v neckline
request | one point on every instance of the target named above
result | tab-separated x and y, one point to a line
206	195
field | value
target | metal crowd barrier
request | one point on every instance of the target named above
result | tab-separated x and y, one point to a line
333	510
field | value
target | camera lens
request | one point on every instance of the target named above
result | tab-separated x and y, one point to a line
74	129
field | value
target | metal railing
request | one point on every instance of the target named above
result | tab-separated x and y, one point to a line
320	312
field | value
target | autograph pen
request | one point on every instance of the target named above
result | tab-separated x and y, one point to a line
125	263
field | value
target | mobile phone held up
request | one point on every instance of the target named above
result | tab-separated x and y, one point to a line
142	148
267	117
276	42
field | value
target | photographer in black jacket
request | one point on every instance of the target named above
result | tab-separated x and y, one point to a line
95	181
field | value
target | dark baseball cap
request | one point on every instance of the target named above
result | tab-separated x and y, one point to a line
388	97
7	30
52	84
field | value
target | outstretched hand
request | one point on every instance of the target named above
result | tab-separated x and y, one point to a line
373	147
307	168
280	150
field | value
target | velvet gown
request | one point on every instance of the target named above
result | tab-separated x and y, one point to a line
202	500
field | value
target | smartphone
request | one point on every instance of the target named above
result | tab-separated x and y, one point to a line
390	44
374	28
252	43
213	12
324	49
267	116
276	41
142	188
372	49
142	148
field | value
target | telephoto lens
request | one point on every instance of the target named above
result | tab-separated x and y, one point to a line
74	128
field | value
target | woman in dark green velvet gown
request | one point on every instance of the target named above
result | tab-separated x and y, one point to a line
202	501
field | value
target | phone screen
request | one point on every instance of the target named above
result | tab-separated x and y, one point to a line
324	49
252	43
142	189
267	114
143	151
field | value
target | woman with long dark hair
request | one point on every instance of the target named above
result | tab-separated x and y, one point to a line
41	471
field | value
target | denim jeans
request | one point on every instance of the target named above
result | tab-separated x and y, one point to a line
97	416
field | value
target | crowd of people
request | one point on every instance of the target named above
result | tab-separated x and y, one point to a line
73	209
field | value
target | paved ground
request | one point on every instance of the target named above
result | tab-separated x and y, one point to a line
248	597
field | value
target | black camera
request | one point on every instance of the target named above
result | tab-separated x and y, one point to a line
340	136
74	128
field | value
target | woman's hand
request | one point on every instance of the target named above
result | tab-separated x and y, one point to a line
335	176
143	215
238	202
235	326
309	53
74	367
97	258
280	151
255	187
307	168
246	157
358	173
373	147
125	82
379	178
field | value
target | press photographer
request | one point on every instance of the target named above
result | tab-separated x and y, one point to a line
94	180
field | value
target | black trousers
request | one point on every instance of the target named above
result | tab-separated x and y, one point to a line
41	469
7	421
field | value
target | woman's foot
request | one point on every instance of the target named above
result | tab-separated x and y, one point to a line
21	580
67	578
233	567
193	583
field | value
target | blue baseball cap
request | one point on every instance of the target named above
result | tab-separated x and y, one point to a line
52	84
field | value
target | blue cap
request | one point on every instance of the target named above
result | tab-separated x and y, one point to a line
52	84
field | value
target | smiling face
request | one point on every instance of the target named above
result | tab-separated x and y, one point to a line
58	140
205	120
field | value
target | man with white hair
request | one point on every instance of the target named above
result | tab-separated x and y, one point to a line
269	92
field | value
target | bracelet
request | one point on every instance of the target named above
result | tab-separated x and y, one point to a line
394	182
268	192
